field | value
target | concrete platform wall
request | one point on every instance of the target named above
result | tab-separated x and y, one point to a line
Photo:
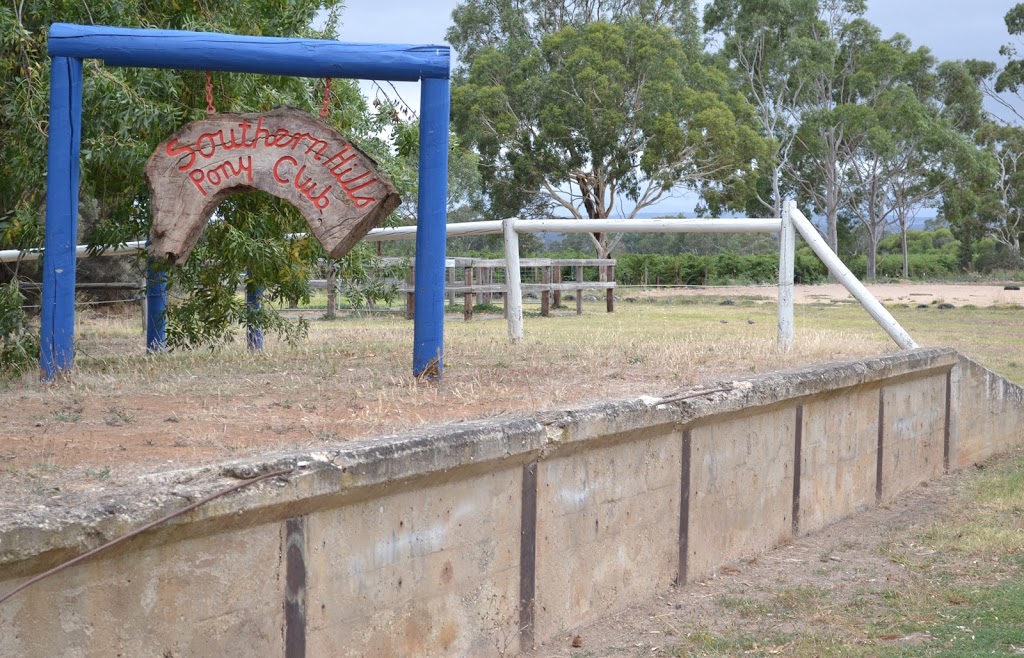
484	538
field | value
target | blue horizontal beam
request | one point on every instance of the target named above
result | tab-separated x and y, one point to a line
209	51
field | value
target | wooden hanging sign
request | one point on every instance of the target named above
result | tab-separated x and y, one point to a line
286	153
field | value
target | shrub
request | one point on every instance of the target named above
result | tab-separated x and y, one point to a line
19	348
694	270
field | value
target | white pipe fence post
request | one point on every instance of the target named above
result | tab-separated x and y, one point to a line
846	277
513	284
787	265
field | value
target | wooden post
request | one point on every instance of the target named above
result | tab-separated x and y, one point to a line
545	295
410	297
609	293
558	279
144	282
451	282
579	291
478	275
467	311
488	278
332	290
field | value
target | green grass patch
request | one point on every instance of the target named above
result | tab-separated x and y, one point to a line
963	595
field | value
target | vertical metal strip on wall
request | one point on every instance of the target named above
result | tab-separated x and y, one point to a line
798	439
528	558
946	429
684	508
295	588
881	445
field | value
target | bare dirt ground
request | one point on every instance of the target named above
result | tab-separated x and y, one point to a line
887	293
120	414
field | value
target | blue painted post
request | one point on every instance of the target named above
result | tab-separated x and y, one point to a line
57	330
176	49
156	310
253	303
428	328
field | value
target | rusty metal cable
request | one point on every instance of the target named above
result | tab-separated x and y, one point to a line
210	109
139	531
325	111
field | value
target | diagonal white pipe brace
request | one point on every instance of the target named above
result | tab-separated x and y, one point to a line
850	282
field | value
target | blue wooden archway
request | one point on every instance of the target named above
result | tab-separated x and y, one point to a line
205	51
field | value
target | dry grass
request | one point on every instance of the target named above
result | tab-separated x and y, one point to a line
352	377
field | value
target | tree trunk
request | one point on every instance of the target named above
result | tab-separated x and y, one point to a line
832	219
832	214
332	291
872	255
903	246
776	193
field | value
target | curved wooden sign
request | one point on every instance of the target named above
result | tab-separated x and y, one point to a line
286	153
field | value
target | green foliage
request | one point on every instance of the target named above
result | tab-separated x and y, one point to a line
719	269
1011	78
989	256
19	348
922	266
596	109
128	111
365	281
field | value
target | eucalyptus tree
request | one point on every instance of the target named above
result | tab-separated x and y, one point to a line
801	62
934	144
767	42
830	63
1002	208
1004	86
597	108
902	135
128	111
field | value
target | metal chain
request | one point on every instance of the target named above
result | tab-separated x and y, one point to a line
209	95
325	111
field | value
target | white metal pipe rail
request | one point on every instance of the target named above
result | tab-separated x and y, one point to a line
659	225
14	255
793	221
851	282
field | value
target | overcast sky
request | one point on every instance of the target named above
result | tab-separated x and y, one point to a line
952	29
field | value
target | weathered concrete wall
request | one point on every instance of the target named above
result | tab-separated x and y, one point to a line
987	413
741	488
218	596
481	538
838	455
431	570
607	527
913	415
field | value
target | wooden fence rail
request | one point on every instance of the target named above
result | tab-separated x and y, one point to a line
480	280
